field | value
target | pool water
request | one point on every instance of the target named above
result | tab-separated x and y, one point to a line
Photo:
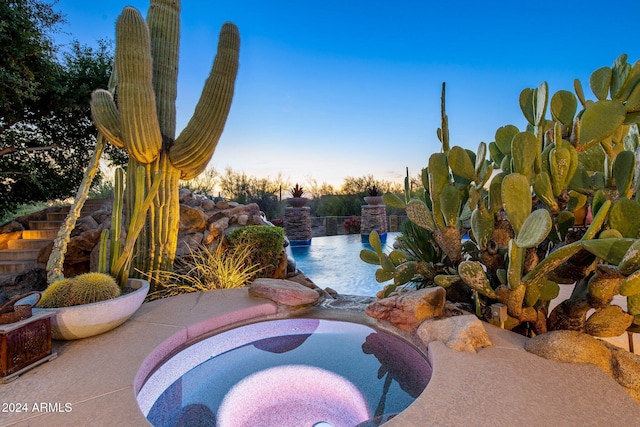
288	372
334	262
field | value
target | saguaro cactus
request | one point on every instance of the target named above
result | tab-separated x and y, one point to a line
144	120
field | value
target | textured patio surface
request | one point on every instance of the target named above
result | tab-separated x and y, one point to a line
502	385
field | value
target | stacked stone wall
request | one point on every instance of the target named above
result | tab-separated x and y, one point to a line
297	224
374	217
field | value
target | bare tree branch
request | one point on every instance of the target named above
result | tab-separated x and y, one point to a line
10	150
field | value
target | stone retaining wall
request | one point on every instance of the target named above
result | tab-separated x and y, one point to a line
333	225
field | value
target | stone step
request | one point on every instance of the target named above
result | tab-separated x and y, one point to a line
86	210
40	234
9	267
57	216
97	201
44	225
88	207
28	243
19	254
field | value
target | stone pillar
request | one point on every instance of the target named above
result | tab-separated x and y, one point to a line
297	225
374	217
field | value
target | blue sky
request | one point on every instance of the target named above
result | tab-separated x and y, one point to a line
328	89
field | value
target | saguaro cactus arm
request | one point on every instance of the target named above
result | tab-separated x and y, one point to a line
134	65
106	116
163	20
194	147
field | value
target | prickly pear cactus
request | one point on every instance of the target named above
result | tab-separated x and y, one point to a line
144	120
563	209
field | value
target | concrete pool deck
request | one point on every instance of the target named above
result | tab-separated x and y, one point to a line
92	382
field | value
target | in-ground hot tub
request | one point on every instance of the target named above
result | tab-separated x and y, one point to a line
287	372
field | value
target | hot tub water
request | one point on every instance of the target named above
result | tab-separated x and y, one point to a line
289	372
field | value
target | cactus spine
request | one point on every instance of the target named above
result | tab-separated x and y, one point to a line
83	289
92	287
143	122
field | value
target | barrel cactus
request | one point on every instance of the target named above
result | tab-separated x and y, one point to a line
92	287
82	289
56	294
143	122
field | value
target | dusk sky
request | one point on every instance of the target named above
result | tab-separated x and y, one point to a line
328	89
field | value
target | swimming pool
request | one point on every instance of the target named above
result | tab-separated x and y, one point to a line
287	372
334	262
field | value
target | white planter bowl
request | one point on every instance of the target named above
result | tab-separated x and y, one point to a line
87	320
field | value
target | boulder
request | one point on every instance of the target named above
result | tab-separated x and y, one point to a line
34	279
10	227
571	346
611	321
85	223
461	333
223	204
215	215
77	259
237	210
407	310
208	238
283	292
184	194
242	219
218	227
281	269
188	242
577	347
191	219
207	205
102	217
303	280
625	367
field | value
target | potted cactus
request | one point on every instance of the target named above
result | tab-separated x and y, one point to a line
90	304
373	196
296	200
523	218
93	303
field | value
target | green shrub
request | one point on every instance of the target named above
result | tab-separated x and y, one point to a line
337	205
266	244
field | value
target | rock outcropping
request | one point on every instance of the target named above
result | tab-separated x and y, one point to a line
578	347
202	222
426	313
284	292
408	310
461	333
